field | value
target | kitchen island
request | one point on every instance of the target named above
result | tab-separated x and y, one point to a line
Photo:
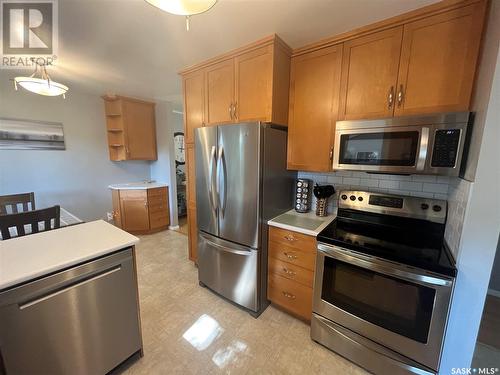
69	301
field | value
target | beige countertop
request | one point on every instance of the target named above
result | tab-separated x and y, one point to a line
137	185
29	257
306	223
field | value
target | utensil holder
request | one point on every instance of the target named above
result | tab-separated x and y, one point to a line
321	207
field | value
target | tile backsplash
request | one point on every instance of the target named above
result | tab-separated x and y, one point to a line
458	198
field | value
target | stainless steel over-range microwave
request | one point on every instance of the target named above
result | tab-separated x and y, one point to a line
433	144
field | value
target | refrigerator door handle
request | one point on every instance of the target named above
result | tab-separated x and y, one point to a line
222	194
213	173
233	249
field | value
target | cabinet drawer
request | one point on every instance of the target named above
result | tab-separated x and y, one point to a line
290	238
161	206
291	255
159	219
290	271
161	191
290	295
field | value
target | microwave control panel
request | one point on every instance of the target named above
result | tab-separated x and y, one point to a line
446	145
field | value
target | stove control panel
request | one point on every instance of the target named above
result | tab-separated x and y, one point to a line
397	205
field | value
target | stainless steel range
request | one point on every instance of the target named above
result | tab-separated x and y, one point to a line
383	283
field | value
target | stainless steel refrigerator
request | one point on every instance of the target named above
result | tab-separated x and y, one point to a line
241	182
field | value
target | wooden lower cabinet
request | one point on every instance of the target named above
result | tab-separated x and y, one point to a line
192	234
141	211
291	263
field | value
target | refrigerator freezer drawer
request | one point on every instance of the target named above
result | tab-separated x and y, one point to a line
229	269
80	321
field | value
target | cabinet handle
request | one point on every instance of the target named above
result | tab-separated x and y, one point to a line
289	237
145	204
288	295
288	272
390	98
234	110
331	153
231	111
400	95
290	256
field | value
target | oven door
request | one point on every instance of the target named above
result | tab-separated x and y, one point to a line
383	301
383	149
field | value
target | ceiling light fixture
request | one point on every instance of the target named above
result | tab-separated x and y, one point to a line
42	84
186	8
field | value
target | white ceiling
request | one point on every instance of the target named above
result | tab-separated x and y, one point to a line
129	47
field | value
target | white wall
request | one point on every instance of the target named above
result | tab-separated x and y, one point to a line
76	178
163	170
481	224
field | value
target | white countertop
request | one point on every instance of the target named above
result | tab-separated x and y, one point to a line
302	227
137	185
28	257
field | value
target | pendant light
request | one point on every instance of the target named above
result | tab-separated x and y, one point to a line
186	8
42	84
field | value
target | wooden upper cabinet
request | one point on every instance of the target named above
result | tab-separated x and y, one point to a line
194	103
314	101
131	128
253	85
369	75
438	62
219	92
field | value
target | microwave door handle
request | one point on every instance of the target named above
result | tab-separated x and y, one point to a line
422	152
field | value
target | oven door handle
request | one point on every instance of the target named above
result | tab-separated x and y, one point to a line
367	262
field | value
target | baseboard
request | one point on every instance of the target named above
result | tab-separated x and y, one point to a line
493	292
173	227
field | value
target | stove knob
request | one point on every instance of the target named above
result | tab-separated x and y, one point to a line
436	208
352	197
360	199
344	197
424	206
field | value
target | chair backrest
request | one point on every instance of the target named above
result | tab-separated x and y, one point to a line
9	204
50	217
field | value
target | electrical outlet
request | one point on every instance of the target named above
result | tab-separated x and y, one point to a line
110	216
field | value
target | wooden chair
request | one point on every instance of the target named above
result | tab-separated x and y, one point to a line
13	201
32	220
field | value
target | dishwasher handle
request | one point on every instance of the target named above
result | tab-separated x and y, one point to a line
53	293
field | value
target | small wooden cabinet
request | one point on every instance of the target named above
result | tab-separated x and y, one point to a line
141	211
291	265
314	101
219	92
194	103
131	128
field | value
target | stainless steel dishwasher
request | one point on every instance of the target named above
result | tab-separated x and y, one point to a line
83	320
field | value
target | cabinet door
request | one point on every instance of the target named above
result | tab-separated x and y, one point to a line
369	75
253	85
219	93
190	174
140	130
134	210
438	61
314	101
194	97
191	203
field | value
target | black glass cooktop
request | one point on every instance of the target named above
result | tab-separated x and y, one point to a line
412	242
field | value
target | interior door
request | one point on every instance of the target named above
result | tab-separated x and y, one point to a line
206	166
369	75
134	210
194	106
219	93
253	85
314	101
438	62
238	180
